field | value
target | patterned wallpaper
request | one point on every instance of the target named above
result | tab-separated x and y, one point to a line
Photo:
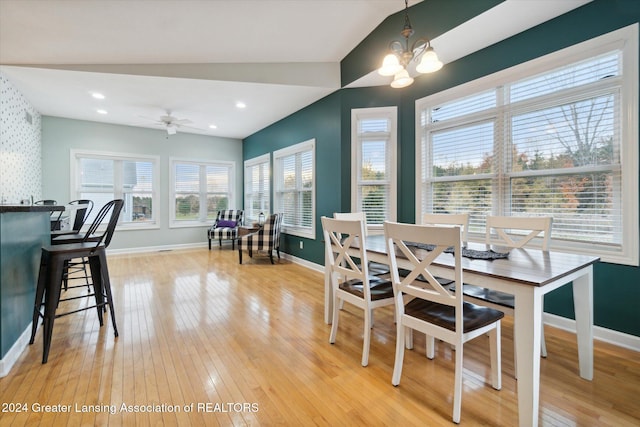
20	146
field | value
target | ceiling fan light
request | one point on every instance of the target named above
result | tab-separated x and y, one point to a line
429	62
172	129
401	79
390	65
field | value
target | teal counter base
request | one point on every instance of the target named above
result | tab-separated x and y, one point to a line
22	235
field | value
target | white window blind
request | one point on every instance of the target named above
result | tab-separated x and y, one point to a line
199	190
294	192
545	144
256	188
102	177
373	164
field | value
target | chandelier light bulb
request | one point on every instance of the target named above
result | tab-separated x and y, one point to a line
429	62
390	65
401	79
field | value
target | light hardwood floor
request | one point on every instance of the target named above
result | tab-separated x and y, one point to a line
247	345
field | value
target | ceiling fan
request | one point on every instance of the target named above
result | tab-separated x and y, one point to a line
171	123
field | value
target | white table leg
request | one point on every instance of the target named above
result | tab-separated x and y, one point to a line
583	306
528	312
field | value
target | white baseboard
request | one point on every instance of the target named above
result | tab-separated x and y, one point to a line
610	336
163	248
9	359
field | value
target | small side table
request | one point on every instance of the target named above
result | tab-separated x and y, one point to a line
243	230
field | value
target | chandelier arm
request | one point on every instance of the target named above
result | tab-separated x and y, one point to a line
419	47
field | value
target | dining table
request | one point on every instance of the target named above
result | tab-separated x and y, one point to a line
528	274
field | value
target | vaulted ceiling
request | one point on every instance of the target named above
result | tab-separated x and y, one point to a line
198	58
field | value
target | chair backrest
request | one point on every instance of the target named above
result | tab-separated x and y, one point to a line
236	215
461	219
339	235
353	216
516	232
428	288
82	213
114	207
271	229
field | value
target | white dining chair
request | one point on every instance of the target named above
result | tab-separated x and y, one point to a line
350	280
434	310
511	232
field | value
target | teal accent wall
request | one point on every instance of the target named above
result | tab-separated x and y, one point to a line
616	287
321	121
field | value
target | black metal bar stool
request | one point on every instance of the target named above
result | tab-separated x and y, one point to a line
53	265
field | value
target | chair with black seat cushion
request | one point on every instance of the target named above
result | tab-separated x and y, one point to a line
226	227
350	278
53	263
267	238
434	310
511	232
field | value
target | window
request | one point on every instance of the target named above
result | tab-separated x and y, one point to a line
294	188
200	190
256	188
557	136
373	164
103	177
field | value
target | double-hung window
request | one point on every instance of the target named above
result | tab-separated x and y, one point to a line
554	137
294	188
199	189
256	188
102	177
373	164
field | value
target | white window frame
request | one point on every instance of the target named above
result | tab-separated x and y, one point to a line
309	145
118	190
357	139
249	216
625	39
202	220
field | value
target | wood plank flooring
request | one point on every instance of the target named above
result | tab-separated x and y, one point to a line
205	341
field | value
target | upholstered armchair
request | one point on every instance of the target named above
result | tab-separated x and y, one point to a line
226	226
265	239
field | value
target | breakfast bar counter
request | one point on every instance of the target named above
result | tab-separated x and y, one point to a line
24	229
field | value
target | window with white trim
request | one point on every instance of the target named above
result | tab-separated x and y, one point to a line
102	177
373	164
199	190
294	188
557	136
257	183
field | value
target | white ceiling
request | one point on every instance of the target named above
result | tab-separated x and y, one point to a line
197	58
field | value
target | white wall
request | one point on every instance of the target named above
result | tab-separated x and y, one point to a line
20	141
60	135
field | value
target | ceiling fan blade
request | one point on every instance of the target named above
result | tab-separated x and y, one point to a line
181	121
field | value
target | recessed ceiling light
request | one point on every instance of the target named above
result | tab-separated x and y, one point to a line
240	104
213	127
101	111
97	95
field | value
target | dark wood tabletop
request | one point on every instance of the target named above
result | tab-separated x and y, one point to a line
527	266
